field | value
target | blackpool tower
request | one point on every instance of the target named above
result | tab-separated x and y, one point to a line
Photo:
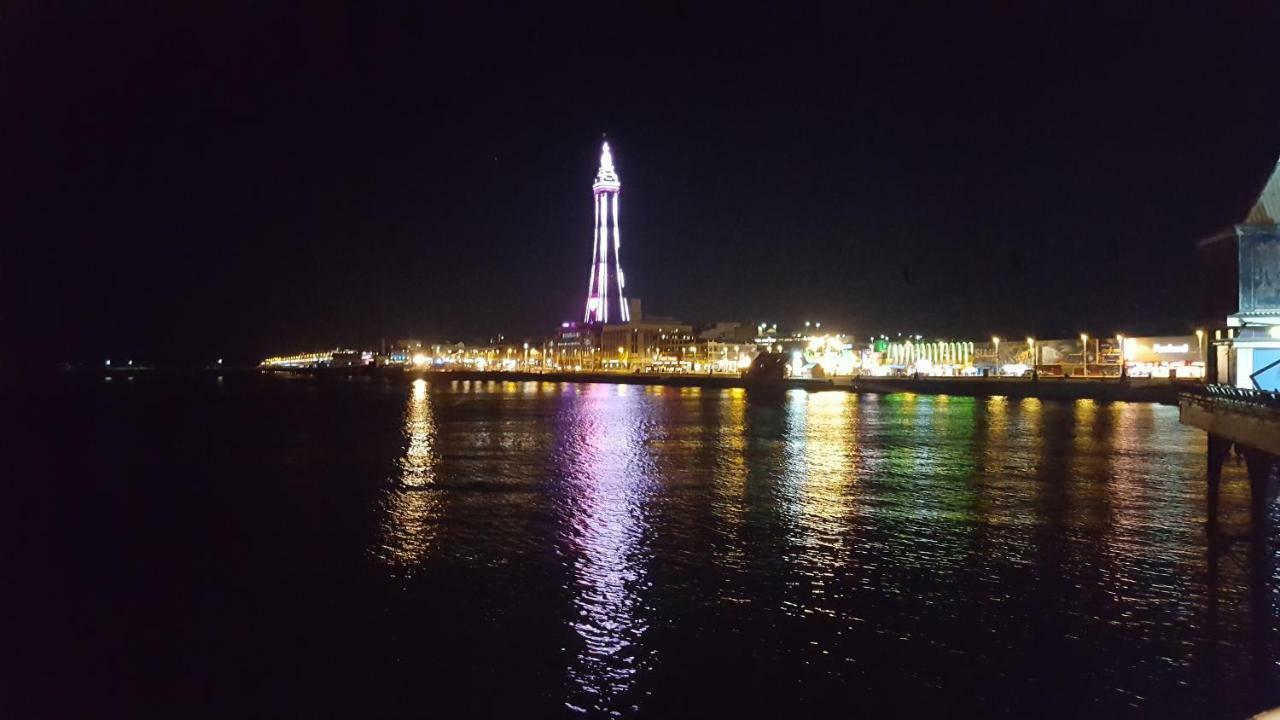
600	292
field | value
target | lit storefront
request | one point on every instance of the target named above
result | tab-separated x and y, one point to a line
1178	356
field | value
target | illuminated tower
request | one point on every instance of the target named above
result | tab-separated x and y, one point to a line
599	291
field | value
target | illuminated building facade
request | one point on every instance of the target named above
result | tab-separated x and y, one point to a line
1176	356
928	357
575	347
654	343
603	288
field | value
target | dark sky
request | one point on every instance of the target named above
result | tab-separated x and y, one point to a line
238	180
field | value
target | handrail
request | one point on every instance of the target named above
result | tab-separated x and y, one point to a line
1249	396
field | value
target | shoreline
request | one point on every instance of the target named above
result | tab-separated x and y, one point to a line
1158	390
1155	390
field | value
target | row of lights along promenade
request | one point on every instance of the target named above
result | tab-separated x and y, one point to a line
666	352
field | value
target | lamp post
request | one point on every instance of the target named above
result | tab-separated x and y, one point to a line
1124	361
996	341
1084	354
1200	346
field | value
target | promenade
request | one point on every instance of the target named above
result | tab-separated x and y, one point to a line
1160	390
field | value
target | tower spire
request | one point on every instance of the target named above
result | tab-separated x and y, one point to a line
605	191
606	165
606	176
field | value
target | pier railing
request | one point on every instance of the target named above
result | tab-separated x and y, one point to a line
1242	396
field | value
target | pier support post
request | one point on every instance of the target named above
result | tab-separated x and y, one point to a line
1262	465
1218	449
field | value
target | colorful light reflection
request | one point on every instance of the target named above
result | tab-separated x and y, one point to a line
604	529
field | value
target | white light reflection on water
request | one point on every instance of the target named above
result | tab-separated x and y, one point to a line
1148	523
604	526
412	506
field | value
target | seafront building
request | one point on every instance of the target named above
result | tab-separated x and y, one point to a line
646	343
1252	345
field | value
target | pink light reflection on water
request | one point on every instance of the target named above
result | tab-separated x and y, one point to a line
604	528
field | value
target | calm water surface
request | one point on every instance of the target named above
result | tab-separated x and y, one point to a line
277	547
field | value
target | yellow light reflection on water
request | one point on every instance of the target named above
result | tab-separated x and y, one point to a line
1087	485
418	465
412	505
816	490
730	479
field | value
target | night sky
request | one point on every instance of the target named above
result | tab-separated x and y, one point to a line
244	180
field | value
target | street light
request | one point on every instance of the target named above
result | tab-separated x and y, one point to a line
996	341
1200	344
1031	345
1084	354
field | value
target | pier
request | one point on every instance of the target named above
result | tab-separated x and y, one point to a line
1248	421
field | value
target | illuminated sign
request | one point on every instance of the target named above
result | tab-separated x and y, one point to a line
1171	348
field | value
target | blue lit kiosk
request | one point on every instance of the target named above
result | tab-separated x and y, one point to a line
1241	406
